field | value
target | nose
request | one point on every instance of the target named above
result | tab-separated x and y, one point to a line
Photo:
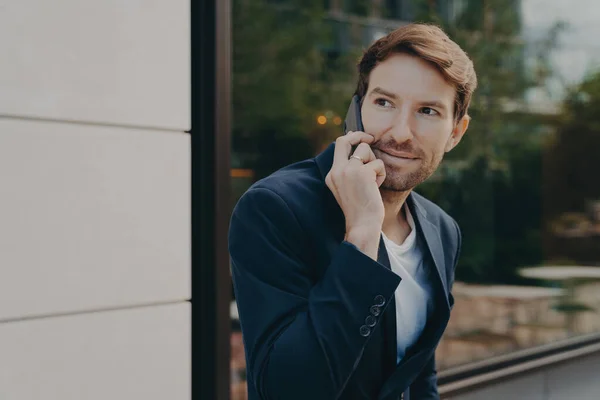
401	130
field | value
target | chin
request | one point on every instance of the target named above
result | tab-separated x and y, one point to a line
398	183
407	177
404	181
396	186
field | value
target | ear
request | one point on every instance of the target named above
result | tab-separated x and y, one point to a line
458	132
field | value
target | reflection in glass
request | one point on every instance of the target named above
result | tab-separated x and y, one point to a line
522	184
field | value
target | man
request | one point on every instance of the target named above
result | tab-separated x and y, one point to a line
342	274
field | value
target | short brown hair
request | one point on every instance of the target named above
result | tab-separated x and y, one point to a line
431	44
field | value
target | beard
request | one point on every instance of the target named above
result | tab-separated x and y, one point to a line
397	179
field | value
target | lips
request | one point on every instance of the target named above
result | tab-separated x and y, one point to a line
399	154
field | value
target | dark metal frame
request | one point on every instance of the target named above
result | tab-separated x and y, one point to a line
210	146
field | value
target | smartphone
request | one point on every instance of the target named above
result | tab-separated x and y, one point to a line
353	120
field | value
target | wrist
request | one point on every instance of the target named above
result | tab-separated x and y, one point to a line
366	239
364	231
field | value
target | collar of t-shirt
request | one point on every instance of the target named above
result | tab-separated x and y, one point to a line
413	295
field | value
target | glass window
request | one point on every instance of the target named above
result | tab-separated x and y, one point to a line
357	7
393	9
521	184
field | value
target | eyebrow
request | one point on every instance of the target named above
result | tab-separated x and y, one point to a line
383	92
432	103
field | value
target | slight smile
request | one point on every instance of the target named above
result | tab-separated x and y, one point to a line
402	155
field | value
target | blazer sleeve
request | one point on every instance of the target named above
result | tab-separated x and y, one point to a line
303	336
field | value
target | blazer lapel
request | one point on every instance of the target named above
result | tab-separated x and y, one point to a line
432	240
420	351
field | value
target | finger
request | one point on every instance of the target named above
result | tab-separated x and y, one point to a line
379	168
343	145
363	150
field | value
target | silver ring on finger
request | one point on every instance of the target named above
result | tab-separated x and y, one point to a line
358	158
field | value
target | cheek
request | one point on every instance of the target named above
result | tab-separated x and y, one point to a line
376	122
432	129
433	137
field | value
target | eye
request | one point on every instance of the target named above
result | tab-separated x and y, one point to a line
428	111
381	102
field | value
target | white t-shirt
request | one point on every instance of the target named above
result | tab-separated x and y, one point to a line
414	295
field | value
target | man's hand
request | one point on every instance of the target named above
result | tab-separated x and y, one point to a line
354	180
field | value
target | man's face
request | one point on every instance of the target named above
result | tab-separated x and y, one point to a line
409	109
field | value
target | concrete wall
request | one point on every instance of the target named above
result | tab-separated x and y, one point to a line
578	380
94	199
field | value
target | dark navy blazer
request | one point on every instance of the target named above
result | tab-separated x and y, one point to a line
317	315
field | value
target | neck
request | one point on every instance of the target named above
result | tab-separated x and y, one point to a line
393	202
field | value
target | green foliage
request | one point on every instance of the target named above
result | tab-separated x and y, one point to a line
572	161
281	81
571	166
491	183
358	7
572	308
